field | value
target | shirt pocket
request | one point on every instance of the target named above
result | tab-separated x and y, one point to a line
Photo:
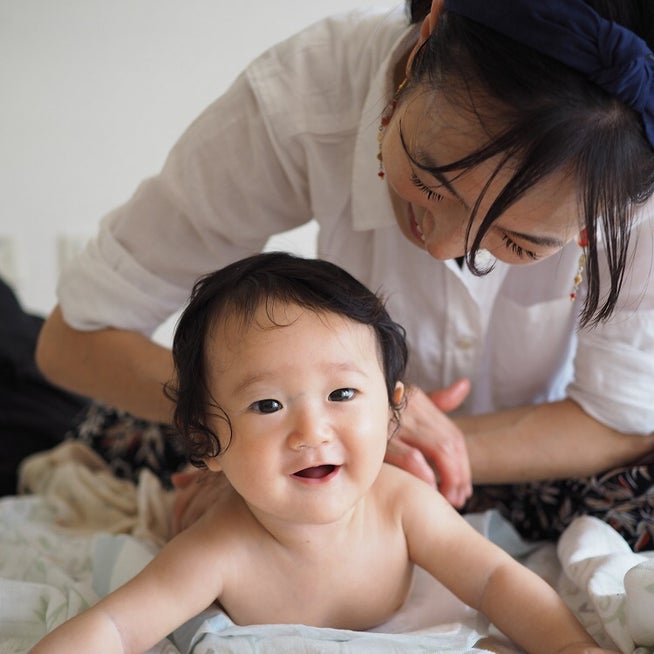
530	351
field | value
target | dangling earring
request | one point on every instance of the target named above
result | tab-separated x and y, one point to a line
583	243
386	116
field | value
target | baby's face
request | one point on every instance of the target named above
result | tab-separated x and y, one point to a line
309	412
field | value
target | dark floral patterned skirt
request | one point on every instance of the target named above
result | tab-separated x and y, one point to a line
129	444
622	497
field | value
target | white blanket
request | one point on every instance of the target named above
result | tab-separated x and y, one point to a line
84	533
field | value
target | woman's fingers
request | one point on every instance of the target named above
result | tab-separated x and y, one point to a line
427	437
410	458
450	398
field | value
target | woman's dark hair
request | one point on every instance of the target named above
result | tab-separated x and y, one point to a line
238	290
555	120
417	9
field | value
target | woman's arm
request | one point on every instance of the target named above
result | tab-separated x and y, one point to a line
122	368
546	441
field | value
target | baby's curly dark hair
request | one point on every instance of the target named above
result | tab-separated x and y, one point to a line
238	290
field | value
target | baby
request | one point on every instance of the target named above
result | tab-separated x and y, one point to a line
288	387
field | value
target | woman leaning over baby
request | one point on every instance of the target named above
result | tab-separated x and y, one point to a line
512	143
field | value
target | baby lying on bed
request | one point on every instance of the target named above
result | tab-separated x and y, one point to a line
288	388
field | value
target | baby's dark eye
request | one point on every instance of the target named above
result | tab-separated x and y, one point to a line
266	406
342	395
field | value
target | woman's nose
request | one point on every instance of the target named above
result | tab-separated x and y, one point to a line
444	237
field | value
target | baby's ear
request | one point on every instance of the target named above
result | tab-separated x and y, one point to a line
213	463
398	393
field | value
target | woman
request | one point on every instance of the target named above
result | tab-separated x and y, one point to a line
492	154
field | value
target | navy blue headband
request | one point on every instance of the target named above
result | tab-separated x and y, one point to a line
573	33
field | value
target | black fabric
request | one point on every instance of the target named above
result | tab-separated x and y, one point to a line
34	414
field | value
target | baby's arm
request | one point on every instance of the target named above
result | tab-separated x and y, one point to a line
182	580
516	600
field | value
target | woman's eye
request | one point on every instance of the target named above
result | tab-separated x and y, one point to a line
429	192
519	251
266	406
342	395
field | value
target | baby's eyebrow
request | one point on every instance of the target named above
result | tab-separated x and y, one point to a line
346	366
251	380
264	375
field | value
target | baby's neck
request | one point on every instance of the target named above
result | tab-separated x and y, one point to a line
312	540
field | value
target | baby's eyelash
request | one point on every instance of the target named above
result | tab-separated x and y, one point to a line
517	249
429	192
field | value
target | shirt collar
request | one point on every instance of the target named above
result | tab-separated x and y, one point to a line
371	201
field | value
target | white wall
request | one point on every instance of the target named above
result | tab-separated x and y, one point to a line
93	95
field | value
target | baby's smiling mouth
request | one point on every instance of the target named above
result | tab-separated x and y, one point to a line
317	472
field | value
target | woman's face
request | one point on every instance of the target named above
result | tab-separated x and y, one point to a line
433	213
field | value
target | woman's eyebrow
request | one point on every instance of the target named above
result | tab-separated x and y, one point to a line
536	239
429	166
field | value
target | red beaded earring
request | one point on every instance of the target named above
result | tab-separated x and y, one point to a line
583	243
386	116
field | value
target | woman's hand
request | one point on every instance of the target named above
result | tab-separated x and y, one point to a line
427	437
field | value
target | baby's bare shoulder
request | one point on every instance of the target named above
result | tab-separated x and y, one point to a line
395	486
396	479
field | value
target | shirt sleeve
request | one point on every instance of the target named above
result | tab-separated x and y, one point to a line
267	156
614	364
226	186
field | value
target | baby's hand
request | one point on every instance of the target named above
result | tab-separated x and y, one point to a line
494	645
585	648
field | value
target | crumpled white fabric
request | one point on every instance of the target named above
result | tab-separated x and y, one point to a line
88	497
612	588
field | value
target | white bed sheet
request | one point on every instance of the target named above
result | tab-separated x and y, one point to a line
84	532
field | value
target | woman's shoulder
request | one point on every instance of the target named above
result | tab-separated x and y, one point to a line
329	64
348	40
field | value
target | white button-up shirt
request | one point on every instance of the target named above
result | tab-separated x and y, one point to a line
295	138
